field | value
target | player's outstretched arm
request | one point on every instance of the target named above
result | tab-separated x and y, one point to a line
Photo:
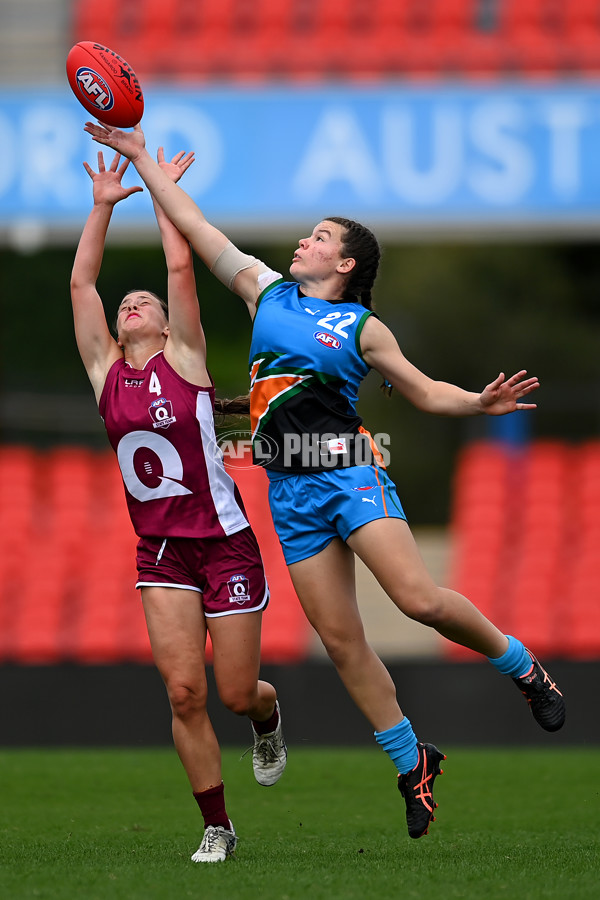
207	240
186	345
97	347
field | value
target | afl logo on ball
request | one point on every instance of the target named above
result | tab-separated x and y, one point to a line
328	340
94	88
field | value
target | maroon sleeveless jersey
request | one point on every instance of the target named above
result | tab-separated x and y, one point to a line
162	429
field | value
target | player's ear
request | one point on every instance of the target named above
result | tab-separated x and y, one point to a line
346	265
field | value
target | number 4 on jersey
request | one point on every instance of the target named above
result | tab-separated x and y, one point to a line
155	387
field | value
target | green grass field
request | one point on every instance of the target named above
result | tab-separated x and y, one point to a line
100	824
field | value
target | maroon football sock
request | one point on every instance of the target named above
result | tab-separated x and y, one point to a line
212	806
268	726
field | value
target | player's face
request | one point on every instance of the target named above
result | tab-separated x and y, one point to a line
320	254
140	310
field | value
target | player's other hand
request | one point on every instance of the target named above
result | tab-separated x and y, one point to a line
178	165
127	143
107	185
504	395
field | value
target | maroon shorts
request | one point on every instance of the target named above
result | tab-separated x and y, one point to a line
227	571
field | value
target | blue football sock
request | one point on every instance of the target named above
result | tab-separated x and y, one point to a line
400	743
516	662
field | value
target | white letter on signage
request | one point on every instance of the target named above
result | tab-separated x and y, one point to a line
337	151
401	146
565	119
508	173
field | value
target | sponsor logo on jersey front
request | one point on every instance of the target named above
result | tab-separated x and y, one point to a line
94	88
239	589
161	413
327	339
333	445
134	382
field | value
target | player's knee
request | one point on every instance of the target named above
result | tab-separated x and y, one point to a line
342	647
186	701
426	607
238	699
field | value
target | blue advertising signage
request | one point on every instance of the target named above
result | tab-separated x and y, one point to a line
393	156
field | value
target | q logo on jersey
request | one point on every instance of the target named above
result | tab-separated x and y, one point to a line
328	340
94	88
161	413
239	589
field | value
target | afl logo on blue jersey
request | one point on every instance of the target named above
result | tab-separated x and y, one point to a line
94	88
328	340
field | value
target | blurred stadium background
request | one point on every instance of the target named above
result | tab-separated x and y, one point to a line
466	133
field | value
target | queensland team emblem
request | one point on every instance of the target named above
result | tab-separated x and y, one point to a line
94	88
161	413
239	589
327	339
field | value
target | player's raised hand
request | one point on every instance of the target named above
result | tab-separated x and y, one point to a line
107	186
127	143
504	395
178	165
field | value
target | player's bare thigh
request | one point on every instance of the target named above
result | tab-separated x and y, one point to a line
177	630
326	586
236	663
388	549
236	646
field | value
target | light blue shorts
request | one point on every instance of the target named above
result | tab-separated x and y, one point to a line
310	509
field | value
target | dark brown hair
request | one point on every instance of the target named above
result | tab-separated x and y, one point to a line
239	406
361	244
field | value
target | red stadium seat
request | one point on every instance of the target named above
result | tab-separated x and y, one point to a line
581	42
133	632
524	551
582	582
92	21
476	54
581	621
95	631
481	520
318	39
530	16
37	621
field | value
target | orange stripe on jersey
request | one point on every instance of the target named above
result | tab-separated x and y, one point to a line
374	448
382	488
265	390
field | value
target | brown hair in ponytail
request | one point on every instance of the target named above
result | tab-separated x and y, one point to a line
239	406
361	244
